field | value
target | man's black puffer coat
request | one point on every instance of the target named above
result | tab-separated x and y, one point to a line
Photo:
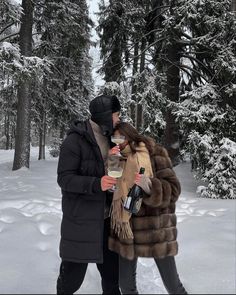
80	169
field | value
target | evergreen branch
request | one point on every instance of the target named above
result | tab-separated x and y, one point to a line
192	78
137	56
225	85
9	36
197	52
186	35
7	26
181	66
184	42
150	32
149	46
198	61
156	16
158	7
154	30
216	73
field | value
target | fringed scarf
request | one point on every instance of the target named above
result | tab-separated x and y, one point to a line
119	216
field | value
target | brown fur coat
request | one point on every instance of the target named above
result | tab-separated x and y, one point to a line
154	227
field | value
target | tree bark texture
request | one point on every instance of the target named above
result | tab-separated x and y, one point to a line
171	134
134	85
22	141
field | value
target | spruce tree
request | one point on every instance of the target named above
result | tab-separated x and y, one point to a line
207	110
10	13
64	28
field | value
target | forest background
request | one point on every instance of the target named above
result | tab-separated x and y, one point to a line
172	63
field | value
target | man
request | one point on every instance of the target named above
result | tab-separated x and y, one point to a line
84	184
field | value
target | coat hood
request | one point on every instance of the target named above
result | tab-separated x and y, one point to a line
84	129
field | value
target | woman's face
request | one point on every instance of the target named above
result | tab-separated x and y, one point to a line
124	144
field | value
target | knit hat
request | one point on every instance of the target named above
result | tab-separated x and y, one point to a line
101	109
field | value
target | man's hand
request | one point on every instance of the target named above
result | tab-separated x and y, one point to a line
114	151
107	182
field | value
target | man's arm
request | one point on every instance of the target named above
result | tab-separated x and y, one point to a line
68	167
68	178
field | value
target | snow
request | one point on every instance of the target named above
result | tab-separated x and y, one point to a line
14	2
30	215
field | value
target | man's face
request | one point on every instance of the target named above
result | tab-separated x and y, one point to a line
115	118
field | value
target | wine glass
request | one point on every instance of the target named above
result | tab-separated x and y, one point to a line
115	172
118	139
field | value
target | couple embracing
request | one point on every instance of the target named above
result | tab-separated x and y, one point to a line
95	227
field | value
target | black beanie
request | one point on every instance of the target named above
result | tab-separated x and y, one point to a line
101	109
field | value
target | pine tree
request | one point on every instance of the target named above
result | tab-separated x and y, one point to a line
112	32
233	6
9	61
22	145
192	44
122	28
207	110
64	29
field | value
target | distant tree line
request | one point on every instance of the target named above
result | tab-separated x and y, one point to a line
171	62
45	71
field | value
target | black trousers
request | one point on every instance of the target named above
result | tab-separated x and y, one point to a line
72	274
168	273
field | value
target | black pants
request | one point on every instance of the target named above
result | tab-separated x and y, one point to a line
167	269
72	274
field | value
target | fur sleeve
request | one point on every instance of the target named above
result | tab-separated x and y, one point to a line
165	185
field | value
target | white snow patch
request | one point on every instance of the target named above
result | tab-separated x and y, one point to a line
30	216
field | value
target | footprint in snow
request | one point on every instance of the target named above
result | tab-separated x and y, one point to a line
43	246
190	201
215	213
7	219
45	228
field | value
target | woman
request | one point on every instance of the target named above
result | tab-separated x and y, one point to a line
152	231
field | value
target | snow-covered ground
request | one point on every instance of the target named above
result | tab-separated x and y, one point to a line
30	214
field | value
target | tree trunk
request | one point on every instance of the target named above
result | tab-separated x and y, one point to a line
7	130
171	134
134	86
42	136
22	141
139	108
13	134
233	6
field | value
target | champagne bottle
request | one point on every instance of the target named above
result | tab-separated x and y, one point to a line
134	199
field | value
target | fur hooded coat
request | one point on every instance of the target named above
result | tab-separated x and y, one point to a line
154	226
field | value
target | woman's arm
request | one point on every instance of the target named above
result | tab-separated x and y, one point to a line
165	186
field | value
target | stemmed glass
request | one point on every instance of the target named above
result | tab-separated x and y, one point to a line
115	172
118	139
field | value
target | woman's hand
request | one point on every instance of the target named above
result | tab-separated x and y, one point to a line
114	151
138	178
144	182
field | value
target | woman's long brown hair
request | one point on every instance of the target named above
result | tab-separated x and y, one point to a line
133	137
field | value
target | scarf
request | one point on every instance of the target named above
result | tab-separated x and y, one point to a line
120	218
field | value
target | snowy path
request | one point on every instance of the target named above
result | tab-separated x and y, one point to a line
30	213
